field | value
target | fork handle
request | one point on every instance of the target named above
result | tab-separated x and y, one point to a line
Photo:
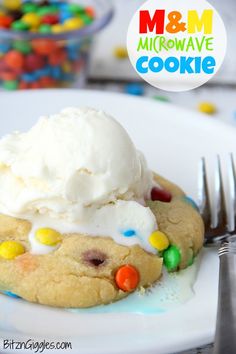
225	336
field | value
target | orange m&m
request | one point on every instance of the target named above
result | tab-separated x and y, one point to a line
127	277
14	59
43	46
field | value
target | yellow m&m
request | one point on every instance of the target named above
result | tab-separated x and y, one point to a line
11	249
57	28
159	240
48	236
31	19
66	67
73	24
207	107
120	52
12	4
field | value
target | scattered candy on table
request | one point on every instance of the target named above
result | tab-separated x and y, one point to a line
134	89
42	62
207	107
48	236
120	52
161	195
11	249
127	278
171	258
159	241
161	98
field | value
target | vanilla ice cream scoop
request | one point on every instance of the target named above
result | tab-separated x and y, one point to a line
70	165
71	160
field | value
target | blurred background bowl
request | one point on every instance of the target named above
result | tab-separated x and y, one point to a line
29	59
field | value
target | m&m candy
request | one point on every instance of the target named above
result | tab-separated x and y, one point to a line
45	19
172	258
31	19
129	233
50	19
14	59
11	294
22	46
33	62
161	195
11	249
5	21
159	240
191	202
8	75
207	107
161	98
127	278
23	16
20	25
73	24
190	261
57	28
120	52
29	7
10	85
134	89
12	4
44	46
48	236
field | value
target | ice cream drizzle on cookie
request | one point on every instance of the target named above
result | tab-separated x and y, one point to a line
127	222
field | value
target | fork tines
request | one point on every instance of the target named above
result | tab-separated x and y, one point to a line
216	220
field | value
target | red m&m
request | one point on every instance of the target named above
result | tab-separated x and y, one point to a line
161	195
50	19
5	21
34	61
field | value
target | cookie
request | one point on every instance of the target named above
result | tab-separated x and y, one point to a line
180	221
86	271
80	273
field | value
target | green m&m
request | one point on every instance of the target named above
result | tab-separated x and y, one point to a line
19	26
10	85
76	9
171	258
190	261
22	46
45	28
29	7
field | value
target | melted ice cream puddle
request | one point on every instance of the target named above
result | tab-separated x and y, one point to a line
171	291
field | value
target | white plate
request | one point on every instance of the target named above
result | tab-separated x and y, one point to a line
173	140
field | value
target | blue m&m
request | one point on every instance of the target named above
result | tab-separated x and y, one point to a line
129	233
134	89
9	293
191	202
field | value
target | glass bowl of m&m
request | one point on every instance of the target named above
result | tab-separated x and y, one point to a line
47	43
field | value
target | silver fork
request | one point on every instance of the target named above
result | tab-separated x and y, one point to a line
221	235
